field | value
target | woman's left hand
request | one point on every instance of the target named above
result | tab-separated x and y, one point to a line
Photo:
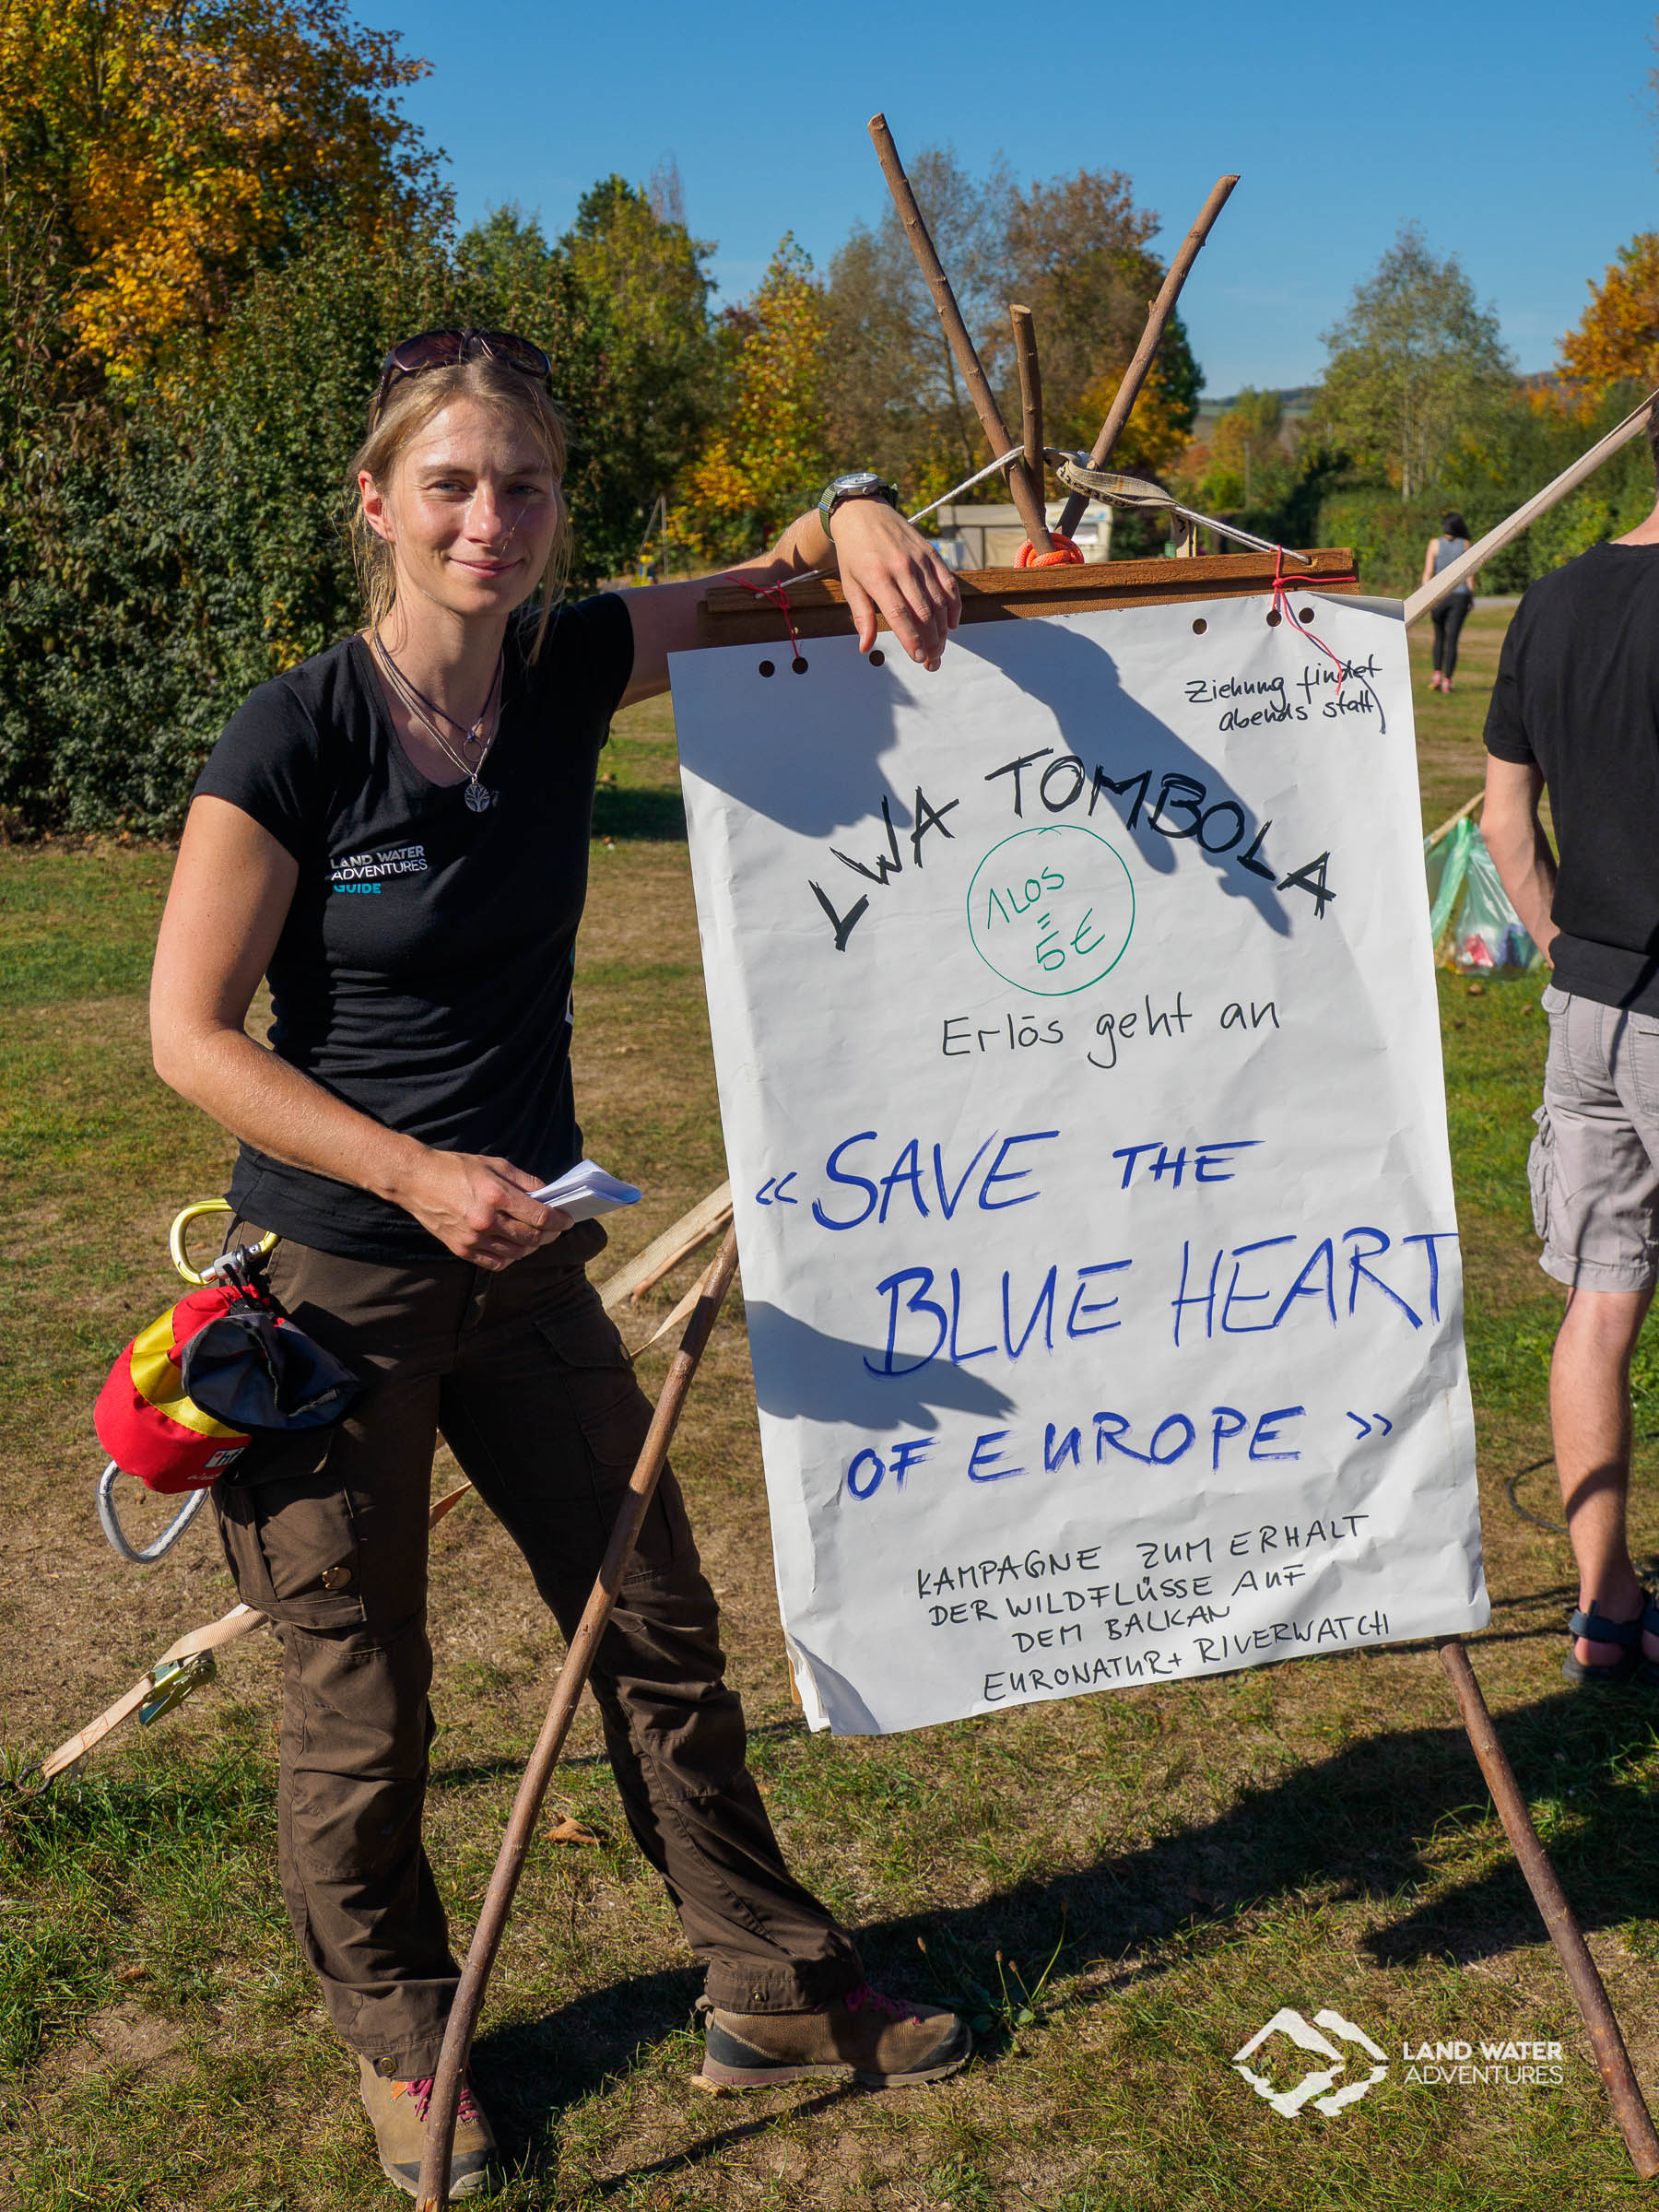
886	568
886	564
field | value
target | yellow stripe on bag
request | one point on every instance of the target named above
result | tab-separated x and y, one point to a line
154	1373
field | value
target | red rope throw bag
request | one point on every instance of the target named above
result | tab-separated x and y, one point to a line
188	1394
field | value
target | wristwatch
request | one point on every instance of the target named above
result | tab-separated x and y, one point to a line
858	484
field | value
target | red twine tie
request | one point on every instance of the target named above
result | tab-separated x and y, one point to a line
1066	555
775	595
1282	607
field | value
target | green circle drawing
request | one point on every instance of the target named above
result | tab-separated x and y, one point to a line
1052	910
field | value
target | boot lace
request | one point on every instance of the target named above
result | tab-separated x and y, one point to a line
420	2093
865	1998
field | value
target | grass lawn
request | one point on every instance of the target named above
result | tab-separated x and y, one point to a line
1159	1869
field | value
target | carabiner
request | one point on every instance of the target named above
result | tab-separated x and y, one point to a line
175	1242
118	1536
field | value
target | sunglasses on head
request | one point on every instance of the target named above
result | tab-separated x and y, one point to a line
449	348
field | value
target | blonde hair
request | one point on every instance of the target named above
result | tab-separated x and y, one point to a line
410	405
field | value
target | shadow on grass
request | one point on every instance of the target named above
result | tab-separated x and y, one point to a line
1370	1823
459	1773
658	815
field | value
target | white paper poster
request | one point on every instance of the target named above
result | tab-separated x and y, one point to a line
1075	1021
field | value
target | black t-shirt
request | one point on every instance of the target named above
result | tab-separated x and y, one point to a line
424	972
1578	696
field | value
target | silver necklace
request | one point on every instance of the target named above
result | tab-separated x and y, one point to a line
478	797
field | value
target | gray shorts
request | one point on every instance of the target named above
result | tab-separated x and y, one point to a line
1595	1163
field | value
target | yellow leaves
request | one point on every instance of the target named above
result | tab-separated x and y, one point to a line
1618	336
1155	436
177	146
768	458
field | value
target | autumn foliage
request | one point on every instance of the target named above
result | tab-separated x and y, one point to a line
1618	336
174	148
215	217
766	458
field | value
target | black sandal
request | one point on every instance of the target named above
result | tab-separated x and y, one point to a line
1597	1629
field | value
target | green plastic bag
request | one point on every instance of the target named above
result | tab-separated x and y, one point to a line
1474	927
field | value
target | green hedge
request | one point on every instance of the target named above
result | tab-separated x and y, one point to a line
158	562
1521	451
1388	534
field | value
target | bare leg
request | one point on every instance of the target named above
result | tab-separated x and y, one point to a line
1590	1415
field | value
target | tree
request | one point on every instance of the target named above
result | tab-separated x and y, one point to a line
768	458
644	286
620	302
1247	462
176	145
1075	250
1619	337
893	395
160	557
1414	363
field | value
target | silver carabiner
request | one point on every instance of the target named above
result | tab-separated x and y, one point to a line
164	1543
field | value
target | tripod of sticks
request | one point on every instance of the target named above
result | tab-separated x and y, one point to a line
1025	469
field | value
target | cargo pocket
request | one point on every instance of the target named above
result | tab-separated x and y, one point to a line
614	1417
1641	1035
292	1546
1540	1166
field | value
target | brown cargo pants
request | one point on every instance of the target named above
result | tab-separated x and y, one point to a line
326	1531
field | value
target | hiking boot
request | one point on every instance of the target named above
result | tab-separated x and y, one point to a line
878	2041
398	2110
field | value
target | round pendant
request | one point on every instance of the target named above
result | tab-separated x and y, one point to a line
479	799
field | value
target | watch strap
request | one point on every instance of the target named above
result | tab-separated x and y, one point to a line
840	492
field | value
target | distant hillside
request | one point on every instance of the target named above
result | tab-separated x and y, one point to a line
1296	405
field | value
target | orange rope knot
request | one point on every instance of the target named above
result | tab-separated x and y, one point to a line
1066	555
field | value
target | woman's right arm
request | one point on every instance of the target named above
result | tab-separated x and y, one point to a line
230	894
1429	561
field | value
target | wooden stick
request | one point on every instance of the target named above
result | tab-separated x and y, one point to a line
1031	405
1026	497
684	1310
661	1257
1135	376
730	615
1588	1990
1429	595
1451	821
241	1620
433	2188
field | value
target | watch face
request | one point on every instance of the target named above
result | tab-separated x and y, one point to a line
859	480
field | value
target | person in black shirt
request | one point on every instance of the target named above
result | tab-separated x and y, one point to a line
1575	711
395	834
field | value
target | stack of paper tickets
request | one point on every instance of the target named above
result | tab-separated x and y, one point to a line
586	1190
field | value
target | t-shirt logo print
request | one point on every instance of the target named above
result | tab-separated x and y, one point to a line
365	872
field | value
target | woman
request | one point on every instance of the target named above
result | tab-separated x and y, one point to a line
1440	552
396	833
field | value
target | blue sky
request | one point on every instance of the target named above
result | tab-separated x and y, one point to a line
1521	137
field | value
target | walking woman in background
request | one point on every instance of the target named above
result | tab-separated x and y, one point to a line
1453	542
396	833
